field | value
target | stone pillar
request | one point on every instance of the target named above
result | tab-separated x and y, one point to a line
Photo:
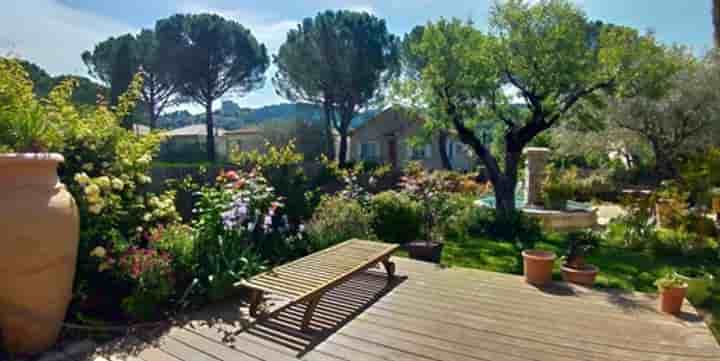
535	174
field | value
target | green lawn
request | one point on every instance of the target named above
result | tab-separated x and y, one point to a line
619	267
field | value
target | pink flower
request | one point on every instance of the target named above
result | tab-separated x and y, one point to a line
232	176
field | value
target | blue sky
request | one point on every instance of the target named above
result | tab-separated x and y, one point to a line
53	33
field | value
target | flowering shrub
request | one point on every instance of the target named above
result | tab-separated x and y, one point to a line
282	167
239	225
430	191
177	240
151	273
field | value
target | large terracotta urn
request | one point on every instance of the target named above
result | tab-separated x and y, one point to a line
39	230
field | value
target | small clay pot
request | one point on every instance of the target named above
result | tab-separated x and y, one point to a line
671	299
538	266
583	275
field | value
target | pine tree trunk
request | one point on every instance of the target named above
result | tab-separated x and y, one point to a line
151	113
342	154
210	132
716	22
329	130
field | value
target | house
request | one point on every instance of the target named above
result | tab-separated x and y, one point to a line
187	144
385	138
244	139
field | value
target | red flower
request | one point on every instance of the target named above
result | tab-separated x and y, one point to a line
232	176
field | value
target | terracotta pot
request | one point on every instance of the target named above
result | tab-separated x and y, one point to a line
538	266
40	229
584	275
425	251
671	299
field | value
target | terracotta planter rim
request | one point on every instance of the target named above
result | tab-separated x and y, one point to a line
18	158
684	286
587	269
539	255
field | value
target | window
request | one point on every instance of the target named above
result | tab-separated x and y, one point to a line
369	151
420	152
450	146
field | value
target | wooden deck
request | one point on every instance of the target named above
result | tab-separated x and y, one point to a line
435	314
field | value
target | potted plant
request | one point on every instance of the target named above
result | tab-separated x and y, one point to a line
672	293
574	268
699	284
538	266
38	218
429	191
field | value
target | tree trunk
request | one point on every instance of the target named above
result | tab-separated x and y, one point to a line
151	114
210	132
664	166
329	129
716	21
442	147
342	154
504	196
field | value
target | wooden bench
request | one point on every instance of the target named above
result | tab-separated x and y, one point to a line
307	279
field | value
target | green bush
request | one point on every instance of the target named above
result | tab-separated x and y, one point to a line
682	243
486	222
338	219
396	217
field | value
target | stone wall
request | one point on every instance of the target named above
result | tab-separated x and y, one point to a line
535	174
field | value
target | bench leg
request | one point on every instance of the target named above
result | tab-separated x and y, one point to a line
390	268
255	300
312	304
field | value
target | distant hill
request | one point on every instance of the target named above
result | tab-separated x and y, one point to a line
232	116
86	92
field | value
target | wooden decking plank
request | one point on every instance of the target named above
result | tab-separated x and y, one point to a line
434	347
155	354
486	323
212	348
548	316
183	351
361	350
469	337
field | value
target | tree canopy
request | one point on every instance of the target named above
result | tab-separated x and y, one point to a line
536	63
115	59
212	56
341	59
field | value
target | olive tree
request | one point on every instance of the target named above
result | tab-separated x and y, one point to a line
537	62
